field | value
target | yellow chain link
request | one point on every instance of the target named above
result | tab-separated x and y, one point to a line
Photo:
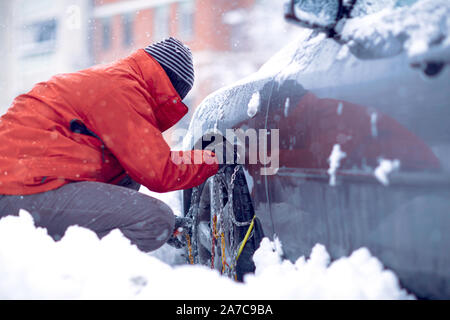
247	235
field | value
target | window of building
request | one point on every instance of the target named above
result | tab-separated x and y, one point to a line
128	29
106	33
161	20
239	34
45	31
39	37
186	20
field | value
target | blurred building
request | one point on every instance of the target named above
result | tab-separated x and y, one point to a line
40	39
5	55
122	26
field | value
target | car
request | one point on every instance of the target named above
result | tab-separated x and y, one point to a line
358	108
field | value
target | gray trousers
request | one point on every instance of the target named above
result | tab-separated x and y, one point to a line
100	207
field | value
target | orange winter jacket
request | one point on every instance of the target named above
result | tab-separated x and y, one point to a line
124	108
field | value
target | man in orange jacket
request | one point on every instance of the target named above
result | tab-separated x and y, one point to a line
75	149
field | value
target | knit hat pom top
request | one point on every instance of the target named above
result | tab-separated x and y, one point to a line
176	60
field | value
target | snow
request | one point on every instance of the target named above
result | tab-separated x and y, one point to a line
81	266
334	160
373	123
235	17
343	53
340	108
380	28
287	105
253	105
386	167
359	276
366	7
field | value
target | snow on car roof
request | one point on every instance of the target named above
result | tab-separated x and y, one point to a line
414	28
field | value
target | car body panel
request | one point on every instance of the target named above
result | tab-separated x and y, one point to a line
319	94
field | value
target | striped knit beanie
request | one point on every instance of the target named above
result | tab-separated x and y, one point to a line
176	60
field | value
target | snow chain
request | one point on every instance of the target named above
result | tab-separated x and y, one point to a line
235	249
220	223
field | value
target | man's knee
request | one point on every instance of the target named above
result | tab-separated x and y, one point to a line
153	232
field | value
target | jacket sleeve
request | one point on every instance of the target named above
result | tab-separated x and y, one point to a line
142	151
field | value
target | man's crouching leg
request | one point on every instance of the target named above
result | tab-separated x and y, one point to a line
155	229
100	207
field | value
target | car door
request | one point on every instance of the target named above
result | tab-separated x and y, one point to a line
364	153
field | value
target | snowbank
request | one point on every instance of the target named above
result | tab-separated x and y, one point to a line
80	266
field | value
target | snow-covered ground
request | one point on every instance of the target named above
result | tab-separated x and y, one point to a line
80	266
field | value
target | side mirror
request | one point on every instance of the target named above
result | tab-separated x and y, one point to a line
320	15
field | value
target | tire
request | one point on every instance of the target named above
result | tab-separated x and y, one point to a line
211	199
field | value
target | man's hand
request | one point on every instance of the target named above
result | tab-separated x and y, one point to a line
226	153
182	224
